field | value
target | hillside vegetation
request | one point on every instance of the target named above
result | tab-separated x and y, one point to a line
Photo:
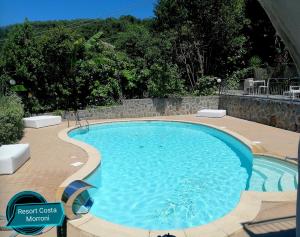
80	63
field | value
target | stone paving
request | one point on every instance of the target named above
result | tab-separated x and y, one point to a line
51	158
47	168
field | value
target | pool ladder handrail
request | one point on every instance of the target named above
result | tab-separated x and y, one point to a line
77	120
78	123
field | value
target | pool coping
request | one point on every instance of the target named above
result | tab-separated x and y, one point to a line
246	210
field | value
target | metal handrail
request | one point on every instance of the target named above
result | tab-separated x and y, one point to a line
78	120
88	125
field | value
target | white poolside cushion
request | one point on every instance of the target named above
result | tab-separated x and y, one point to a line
211	113
12	157
41	121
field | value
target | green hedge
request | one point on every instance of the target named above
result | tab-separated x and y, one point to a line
11	124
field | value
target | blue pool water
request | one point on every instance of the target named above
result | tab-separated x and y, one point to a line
167	175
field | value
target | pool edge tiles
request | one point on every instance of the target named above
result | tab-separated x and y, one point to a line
227	224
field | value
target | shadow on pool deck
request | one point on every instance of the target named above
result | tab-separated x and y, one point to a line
166	235
281	233
274	220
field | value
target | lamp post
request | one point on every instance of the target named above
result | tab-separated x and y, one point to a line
219	80
3	87
12	82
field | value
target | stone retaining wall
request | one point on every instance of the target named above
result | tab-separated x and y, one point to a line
274	112
151	107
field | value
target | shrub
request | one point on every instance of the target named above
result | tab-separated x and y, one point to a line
11	114
233	81
206	85
164	81
255	61
58	112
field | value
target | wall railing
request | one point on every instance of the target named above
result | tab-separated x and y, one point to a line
279	88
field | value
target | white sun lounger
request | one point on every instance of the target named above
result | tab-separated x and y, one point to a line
12	157
211	113
41	121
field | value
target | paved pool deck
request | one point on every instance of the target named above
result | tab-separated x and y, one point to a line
52	158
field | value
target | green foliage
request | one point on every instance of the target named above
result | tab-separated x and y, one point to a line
150	70
75	64
33	106
206	85
100	70
233	81
58	112
11	114
164	81
105	92
4	83
43	66
255	61
207	35
133	40
60	50
20	59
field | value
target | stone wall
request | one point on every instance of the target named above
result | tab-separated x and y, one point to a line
274	112
151	107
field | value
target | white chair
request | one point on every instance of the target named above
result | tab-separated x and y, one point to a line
294	91
264	88
249	85
13	157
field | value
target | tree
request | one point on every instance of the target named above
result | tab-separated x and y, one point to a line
100	71
61	48
153	70
164	81
44	65
207	35
20	58
68	64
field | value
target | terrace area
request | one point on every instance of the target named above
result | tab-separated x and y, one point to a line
284	88
51	161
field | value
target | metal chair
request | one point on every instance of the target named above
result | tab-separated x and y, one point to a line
294	91
249	85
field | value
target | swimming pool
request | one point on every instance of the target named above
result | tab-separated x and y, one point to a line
166	175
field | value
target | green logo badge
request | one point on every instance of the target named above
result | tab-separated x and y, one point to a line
29	213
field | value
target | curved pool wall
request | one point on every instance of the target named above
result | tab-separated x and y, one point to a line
162	199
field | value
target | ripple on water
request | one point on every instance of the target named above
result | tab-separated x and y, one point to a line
165	175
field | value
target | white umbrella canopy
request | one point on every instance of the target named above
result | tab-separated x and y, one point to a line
285	17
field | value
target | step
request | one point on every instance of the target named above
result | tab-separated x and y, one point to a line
286	182
273	176
276	164
266	168
296	181
257	181
280	166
